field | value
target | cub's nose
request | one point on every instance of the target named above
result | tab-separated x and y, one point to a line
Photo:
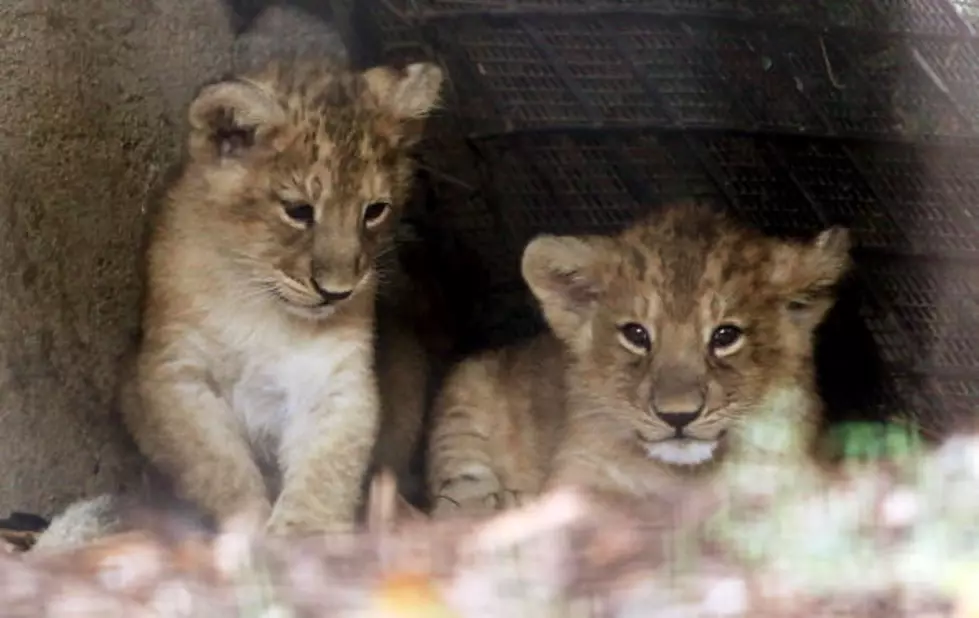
678	420
678	407
328	296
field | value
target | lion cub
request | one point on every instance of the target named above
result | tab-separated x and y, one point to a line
258	323
665	340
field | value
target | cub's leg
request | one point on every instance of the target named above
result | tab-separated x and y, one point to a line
324	455
183	427
467	473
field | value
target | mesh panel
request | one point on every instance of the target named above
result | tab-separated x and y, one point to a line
796	115
928	193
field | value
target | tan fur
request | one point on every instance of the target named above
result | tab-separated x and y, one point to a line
577	405
247	372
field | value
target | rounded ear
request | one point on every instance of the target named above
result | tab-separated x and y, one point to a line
566	275
811	271
827	258
407	94
231	117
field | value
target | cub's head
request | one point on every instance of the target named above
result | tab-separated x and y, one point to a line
300	172
685	323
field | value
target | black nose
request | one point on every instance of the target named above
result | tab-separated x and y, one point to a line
678	420
330	297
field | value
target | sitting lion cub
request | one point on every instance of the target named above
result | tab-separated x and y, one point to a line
258	321
664	340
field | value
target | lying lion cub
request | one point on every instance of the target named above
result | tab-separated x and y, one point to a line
663	341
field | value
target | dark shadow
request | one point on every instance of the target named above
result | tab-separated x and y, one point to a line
850	372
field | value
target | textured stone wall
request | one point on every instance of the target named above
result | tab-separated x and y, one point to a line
92	98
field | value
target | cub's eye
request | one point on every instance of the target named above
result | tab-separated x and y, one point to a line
636	336
726	339
300	213
375	212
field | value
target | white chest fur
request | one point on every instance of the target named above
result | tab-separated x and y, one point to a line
280	377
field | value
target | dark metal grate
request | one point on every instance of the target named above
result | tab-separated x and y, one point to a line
669	61
934	18
929	193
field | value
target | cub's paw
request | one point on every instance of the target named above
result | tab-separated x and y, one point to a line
284	522
475	493
513	498
248	520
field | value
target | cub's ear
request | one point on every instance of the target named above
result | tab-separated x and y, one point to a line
812	271
827	258
408	94
567	274
231	117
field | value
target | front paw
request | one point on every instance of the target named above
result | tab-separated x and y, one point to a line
287	521
472	495
249	519
513	498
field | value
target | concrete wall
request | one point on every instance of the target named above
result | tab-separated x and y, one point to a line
92	99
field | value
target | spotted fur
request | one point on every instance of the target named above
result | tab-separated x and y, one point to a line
588	402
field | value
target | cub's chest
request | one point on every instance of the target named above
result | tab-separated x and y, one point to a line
271	387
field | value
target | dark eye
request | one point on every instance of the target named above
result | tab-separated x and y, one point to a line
375	212
725	337
300	213
636	335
